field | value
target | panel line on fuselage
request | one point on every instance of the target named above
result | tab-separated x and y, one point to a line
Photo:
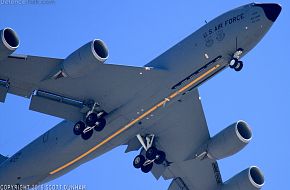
196	72
152	109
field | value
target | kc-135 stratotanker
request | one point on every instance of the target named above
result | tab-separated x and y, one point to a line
155	109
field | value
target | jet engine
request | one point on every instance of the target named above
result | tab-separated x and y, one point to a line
9	42
85	59
250	179
229	141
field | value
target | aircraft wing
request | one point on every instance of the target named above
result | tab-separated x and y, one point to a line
181	132
110	85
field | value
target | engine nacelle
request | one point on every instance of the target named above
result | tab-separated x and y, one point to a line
249	179
229	141
9	42
85	59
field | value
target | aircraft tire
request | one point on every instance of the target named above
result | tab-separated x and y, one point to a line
91	119
233	63
160	157
151	153
101	123
79	127
147	168
87	135
139	161
239	66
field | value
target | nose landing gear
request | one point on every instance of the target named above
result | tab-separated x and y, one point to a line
152	155
235	63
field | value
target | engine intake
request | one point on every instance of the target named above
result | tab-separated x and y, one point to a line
100	50
9	42
250	179
85	59
229	141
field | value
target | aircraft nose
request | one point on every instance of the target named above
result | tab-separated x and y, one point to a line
272	10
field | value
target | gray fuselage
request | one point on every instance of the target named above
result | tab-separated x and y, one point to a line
203	54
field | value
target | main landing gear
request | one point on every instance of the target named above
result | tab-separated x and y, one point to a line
93	121
152	155
235	63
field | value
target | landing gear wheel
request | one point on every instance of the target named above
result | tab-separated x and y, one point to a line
233	63
91	119
160	158
147	168
79	127
139	161
100	124
239	66
88	134
151	153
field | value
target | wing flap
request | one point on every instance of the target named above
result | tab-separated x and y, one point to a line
158	170
55	108
194	172
177	184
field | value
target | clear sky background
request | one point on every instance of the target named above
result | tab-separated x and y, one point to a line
135	33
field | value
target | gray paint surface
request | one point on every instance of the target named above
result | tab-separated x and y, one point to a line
122	91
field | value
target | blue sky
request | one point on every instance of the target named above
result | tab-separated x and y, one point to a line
135	33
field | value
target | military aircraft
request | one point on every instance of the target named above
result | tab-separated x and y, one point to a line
155	109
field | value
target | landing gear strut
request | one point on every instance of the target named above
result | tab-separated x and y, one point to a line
235	63
152	154
93	120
